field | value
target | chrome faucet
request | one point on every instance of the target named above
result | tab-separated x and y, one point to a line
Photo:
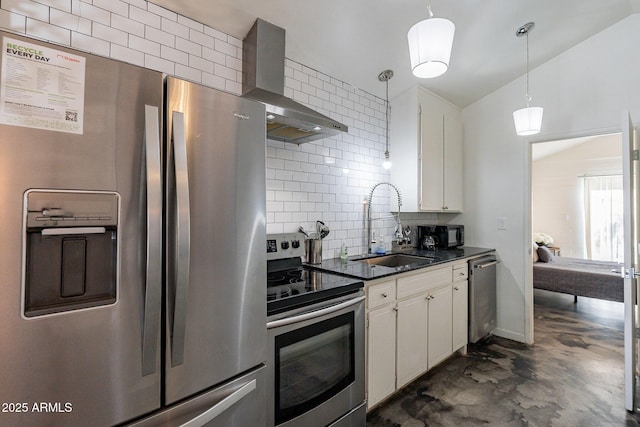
399	235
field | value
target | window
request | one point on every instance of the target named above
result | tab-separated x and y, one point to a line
603	207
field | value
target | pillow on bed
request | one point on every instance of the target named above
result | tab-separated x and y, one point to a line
534	252
545	254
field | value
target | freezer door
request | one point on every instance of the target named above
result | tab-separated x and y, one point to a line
239	402
216	256
82	365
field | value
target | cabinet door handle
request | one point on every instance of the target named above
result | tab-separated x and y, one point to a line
384	295
456	288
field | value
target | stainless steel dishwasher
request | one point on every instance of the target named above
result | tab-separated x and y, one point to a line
482	297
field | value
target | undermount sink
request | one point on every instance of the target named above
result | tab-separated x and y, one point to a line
396	260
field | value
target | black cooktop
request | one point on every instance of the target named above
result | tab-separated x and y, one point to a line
298	286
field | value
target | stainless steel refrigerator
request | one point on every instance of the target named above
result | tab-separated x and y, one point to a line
132	261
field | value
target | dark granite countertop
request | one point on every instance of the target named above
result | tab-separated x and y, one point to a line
363	271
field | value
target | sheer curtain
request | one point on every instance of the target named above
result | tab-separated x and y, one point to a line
603	207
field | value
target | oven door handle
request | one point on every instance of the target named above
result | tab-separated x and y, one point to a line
314	314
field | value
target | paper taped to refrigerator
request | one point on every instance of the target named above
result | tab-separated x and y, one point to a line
41	87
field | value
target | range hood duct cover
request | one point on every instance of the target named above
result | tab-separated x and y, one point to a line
263	52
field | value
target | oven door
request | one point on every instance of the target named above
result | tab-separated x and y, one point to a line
316	364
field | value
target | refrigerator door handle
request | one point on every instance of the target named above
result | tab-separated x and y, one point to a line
220	407
183	237
153	289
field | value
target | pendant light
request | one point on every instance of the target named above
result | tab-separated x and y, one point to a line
528	121
430	43
385	76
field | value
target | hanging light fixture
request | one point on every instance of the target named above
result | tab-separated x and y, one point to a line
430	43
528	121
385	76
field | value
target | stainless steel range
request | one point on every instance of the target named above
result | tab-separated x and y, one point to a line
315	323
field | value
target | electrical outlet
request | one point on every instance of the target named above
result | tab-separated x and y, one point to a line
502	223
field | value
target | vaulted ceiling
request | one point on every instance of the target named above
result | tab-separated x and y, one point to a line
354	40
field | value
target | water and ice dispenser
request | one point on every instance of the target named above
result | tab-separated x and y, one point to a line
70	250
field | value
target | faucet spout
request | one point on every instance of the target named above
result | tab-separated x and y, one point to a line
398	226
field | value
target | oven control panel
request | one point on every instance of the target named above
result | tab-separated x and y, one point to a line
286	245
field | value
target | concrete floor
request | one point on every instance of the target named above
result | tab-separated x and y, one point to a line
571	376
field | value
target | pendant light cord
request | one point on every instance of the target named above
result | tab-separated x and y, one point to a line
386	153
527	94
384	77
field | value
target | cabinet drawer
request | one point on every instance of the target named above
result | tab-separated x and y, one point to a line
460	272
422	282
381	293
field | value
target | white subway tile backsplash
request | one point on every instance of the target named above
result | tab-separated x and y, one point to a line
195	25
159	64
162	11
213	56
300	76
224	71
90	44
146	46
214	81
235	42
215	33
126	54
49	32
71	22
159	36
88	11
174	55
234	87
115	6
110	34
201	64
13	21
284	175
175	28
144	17
226	48
127	25
193	49
188	73
63	5
199	37
29	9
141	4
233	63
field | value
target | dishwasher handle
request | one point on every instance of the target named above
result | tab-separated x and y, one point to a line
487	264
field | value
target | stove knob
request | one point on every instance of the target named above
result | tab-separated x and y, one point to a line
285	245
295	244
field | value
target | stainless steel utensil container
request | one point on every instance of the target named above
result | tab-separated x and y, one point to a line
313	251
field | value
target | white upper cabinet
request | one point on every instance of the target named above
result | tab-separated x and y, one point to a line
426	151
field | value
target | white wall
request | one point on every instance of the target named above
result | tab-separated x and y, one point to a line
583	91
557	191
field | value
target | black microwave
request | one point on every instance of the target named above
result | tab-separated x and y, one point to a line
444	236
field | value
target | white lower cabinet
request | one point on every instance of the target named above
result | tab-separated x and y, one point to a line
414	322
381	363
411	344
460	314
440	328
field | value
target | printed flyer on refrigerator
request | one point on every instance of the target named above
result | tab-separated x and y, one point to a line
41	87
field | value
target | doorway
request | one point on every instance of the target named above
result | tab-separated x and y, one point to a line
576	197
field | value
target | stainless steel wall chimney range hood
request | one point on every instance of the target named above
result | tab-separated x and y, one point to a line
263	80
